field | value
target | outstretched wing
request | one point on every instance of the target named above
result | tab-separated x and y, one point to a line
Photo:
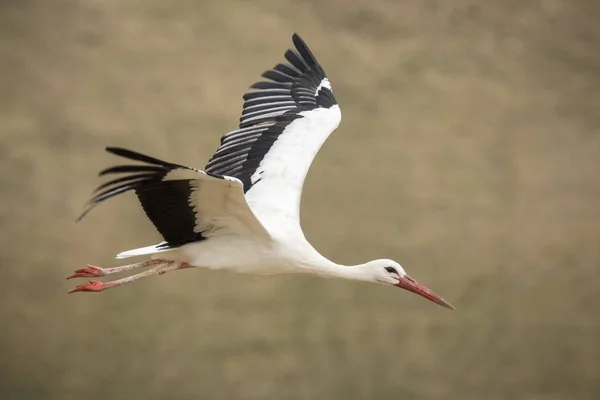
284	123
184	204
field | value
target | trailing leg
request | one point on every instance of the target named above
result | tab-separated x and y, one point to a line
91	271
162	268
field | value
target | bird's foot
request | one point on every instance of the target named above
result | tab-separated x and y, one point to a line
91	286
91	271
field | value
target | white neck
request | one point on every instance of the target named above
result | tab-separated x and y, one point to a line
315	263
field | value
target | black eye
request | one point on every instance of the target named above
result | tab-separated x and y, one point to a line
391	270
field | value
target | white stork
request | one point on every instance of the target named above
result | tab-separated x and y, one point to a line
242	212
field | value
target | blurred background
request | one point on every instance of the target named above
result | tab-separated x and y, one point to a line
469	151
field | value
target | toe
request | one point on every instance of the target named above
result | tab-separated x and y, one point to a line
91	286
91	271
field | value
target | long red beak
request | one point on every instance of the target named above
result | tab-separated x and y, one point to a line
412	285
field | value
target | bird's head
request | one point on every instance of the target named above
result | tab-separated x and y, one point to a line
389	272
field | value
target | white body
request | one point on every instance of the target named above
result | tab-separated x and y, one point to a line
274	201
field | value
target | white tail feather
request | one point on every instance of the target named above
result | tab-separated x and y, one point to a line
143	251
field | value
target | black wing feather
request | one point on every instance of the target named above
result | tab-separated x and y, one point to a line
165	202
122	179
291	88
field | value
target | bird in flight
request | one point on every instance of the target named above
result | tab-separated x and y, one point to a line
242	212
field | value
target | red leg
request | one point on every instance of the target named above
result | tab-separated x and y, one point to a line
162	268
91	271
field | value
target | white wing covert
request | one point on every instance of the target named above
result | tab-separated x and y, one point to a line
185	204
284	123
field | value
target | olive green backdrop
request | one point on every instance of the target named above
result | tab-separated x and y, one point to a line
469	151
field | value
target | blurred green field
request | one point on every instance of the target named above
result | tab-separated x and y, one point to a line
469	151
